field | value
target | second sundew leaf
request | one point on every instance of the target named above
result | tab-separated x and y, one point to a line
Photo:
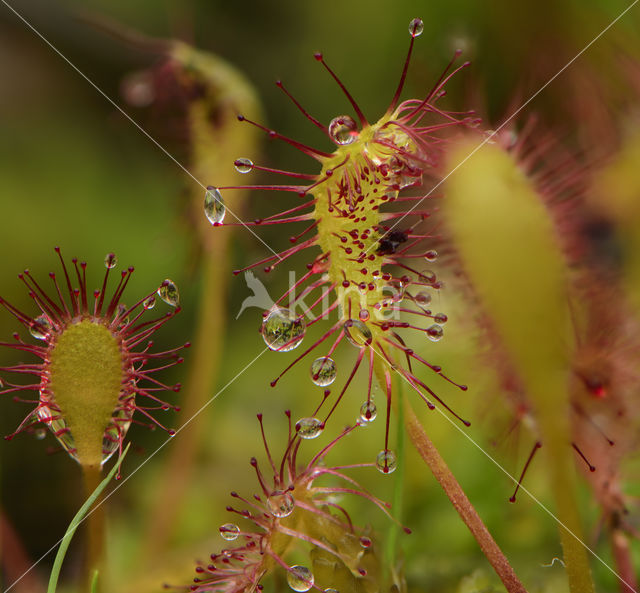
506	241
216	92
615	195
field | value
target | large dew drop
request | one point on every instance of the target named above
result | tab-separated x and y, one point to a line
422	298
343	130
368	411
357	332
229	531
110	261
435	332
214	208
168	292
309	428
243	165
416	27
386	461
40	327
281	504
323	371
300	578
282	331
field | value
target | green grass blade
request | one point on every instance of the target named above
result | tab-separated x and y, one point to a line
75	522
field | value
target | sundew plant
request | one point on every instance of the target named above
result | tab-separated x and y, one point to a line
406	355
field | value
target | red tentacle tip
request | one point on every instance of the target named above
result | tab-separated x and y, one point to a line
318	56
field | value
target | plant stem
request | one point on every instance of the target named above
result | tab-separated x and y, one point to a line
95	529
460	502
624	563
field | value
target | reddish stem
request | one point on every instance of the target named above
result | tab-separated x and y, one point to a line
460	502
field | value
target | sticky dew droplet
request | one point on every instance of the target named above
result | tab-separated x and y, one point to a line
416	27
435	332
229	531
300	578
282	331
343	130
309	428
149	303
368	411
214	208
323	371
110	261
423	299
40	327
281	504
357	332
243	165
386	461
168	292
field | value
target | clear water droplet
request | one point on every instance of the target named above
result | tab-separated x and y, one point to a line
431	255
281	504
416	27
168	292
343	130
214	208
243	165
110	261
363	315
229	531
300	578
309	428
357	332
435	332
117	429
54	421
396	288
1	383
386	461
365	541
423	298
40	327
427	276
282	331
323	371
40	433
368	411
149	303
440	318
331	590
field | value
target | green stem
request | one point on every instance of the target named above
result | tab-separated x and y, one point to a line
95	526
460	502
561	470
73	526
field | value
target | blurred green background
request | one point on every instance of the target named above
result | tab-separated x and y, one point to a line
75	173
